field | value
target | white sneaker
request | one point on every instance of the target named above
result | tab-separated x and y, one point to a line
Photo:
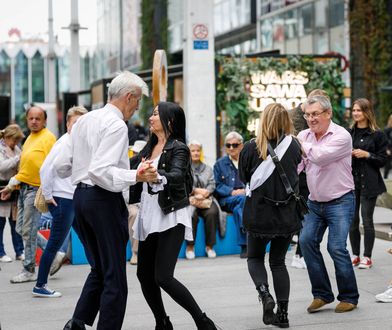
5	258
57	263
298	262
211	253
190	254
20	257
24	276
385	297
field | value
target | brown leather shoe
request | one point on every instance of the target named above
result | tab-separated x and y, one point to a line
344	307
316	304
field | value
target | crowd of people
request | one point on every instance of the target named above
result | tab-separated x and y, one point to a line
301	175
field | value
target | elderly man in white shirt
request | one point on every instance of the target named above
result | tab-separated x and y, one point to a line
97	161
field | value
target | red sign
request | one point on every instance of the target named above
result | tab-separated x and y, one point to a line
200	31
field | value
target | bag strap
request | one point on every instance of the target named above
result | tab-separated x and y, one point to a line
282	174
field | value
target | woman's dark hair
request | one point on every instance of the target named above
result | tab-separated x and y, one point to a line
173	122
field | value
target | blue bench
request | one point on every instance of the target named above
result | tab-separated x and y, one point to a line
223	246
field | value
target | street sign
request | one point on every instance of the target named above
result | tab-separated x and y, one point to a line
200	44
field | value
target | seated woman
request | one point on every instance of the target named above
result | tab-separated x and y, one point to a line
205	206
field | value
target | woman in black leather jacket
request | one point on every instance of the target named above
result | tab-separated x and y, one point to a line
164	218
368	156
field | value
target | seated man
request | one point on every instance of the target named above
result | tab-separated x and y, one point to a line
230	191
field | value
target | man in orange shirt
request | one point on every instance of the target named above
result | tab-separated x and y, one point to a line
35	149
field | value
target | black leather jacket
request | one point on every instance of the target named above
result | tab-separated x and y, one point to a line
175	166
366	171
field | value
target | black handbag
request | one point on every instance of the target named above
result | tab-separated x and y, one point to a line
301	204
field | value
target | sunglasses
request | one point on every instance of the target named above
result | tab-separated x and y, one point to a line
234	145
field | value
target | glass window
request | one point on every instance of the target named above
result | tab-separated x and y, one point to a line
225	16
37	78
291	24
321	14
337	39
278	33
5	74
266	34
305	20
20	84
336	13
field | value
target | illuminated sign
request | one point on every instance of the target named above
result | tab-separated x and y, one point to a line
269	87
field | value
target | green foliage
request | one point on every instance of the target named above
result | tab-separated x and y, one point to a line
234	76
153	38
371	54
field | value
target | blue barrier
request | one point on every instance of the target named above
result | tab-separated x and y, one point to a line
78	256
223	246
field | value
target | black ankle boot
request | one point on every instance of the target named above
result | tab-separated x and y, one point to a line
74	324
164	324
281	319
205	323
268	303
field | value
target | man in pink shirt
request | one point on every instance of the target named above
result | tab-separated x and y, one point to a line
327	162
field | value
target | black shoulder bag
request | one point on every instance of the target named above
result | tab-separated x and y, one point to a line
301	205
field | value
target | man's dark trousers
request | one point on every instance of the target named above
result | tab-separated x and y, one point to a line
102	219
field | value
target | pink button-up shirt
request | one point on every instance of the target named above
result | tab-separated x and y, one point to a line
327	163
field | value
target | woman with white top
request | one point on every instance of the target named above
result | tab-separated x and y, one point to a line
58	194
164	219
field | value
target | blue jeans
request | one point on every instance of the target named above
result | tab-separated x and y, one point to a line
63	216
235	204
46	223
337	216
27	224
17	241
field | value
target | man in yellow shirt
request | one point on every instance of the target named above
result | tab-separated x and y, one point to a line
35	149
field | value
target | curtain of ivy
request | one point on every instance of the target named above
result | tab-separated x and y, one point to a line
154	24
233	80
371	53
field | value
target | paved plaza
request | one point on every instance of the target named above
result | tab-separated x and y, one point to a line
222	287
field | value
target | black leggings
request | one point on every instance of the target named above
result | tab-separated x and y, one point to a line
157	258
367	206
256	266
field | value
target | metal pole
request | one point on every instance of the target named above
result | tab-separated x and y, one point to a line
50	81
75	58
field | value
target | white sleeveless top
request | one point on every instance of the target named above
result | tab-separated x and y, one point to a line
151	219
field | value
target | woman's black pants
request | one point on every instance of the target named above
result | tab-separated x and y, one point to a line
157	258
277	255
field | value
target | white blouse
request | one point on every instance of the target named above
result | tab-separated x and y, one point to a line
151	219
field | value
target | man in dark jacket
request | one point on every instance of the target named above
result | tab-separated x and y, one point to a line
230	190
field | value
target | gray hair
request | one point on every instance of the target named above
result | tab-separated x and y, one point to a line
324	102
234	135
76	111
126	82
195	143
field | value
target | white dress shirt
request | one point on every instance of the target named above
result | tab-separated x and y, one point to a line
151	219
97	153
51	183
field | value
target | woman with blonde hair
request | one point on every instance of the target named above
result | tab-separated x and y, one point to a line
270	212
368	156
10	137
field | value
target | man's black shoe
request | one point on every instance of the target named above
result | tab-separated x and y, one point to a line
73	324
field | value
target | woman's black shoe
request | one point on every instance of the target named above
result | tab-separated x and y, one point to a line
268	304
205	323
281	319
73	324
164	324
